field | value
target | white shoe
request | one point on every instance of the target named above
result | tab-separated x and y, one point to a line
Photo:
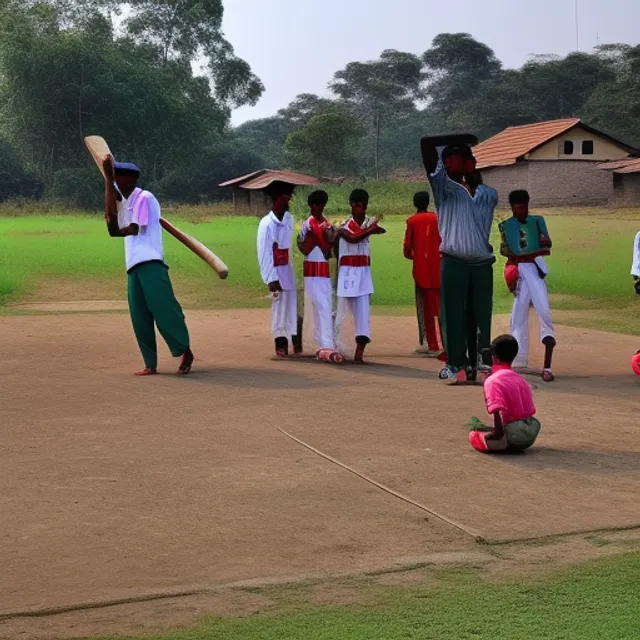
450	375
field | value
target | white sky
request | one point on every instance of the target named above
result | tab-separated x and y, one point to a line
295	46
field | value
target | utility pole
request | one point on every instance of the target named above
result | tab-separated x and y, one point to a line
577	26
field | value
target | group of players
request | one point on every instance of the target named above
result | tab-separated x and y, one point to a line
452	269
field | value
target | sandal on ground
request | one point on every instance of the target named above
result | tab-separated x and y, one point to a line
187	361
547	376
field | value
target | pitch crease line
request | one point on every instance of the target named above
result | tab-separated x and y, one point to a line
396	494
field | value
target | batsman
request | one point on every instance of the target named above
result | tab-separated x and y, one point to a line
134	214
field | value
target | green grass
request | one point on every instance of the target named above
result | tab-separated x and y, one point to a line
589	267
596	601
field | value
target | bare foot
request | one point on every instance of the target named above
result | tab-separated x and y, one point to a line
146	372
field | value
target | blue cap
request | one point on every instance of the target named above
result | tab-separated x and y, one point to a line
126	169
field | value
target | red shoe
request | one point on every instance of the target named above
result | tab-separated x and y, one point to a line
187	361
146	372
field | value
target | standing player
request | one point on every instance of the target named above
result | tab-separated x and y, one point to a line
314	243
635	265
355	284
422	246
525	241
275	236
151	298
465	214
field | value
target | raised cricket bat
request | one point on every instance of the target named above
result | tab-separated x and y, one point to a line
99	150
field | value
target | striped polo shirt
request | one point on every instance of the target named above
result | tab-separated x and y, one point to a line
464	220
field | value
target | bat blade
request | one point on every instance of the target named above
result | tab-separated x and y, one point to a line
99	150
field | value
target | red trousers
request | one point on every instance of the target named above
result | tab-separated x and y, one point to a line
428	310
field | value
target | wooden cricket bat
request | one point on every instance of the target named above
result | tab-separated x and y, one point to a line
99	150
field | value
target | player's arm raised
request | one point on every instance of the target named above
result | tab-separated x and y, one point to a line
111	204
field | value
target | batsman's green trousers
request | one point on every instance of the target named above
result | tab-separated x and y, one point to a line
152	301
466	306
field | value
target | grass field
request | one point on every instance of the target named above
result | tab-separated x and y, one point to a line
595	601
589	282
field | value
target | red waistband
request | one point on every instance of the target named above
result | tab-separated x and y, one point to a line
280	257
355	261
315	269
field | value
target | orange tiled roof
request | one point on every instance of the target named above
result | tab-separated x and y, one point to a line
507	146
263	178
630	165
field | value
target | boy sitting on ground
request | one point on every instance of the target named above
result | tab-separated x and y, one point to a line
510	401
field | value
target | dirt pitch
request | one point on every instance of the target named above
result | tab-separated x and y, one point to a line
117	489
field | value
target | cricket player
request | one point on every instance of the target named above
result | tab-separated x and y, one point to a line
635	266
525	274
314	241
465	214
151	297
422	246
509	401
275	238
355	284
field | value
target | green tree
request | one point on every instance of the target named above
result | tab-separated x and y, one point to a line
326	146
380	90
68	82
614	106
191	30
457	65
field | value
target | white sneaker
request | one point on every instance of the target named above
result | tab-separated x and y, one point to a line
449	375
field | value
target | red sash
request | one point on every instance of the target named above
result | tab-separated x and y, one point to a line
280	257
355	261
315	269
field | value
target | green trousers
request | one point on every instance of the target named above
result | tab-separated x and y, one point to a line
152	302
466	305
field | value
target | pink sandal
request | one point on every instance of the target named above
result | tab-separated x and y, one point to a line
547	376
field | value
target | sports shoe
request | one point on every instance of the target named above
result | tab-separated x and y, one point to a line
449	375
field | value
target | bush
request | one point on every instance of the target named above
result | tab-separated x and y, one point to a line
15	181
200	183
78	188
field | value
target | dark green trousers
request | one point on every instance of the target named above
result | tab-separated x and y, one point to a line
152	302
466	305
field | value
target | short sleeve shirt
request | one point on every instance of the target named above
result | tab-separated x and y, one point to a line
507	392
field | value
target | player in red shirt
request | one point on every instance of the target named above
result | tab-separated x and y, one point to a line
422	245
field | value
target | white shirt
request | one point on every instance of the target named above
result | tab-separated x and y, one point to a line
141	208
355	281
635	267
275	238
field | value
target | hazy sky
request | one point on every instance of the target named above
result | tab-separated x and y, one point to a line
295	46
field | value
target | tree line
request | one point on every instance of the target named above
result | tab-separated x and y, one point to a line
378	110
125	70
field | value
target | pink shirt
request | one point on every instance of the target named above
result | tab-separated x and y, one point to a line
507	392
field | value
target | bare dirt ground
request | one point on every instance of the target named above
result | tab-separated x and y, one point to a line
123	490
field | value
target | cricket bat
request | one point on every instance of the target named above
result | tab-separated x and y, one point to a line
99	150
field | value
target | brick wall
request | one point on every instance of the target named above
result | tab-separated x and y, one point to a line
507	179
626	190
553	183
566	182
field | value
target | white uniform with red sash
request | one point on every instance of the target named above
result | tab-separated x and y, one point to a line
355	284
318	296
276	263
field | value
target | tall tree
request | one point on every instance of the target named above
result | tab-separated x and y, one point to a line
457	65
380	90
326	145
191	30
